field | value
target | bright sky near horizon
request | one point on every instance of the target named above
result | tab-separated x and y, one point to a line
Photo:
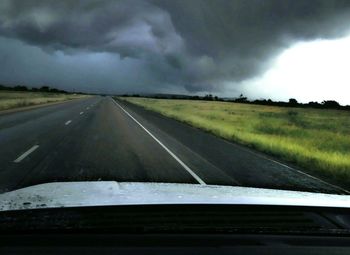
308	71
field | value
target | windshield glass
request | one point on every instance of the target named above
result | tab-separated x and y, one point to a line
251	96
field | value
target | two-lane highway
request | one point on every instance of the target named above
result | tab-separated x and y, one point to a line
102	139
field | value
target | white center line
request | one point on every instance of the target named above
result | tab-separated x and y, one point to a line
20	158
189	170
68	122
81	113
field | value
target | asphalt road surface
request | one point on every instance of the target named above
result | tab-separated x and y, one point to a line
102	139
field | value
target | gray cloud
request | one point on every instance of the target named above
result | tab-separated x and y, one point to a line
241	36
129	28
158	45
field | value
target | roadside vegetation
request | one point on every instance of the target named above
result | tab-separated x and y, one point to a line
326	104
315	139
10	99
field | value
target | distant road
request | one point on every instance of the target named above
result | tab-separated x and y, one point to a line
100	139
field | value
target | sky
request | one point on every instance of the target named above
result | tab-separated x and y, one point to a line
261	48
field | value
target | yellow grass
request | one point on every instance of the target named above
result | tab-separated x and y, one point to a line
315	139
14	99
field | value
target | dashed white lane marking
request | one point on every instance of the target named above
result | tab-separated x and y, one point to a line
87	108
68	122
81	113
20	158
196	177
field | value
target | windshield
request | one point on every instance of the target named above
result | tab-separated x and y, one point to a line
151	101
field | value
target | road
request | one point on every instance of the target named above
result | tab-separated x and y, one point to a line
102	139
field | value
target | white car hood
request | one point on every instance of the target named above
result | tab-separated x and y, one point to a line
101	193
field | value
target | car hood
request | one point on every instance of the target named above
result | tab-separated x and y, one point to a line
101	193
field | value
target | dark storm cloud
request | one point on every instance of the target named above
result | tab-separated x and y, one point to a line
240	37
129	28
195	44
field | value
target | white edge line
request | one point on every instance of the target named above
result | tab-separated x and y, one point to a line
68	122
275	161
81	113
294	169
284	165
198	179
308	175
20	158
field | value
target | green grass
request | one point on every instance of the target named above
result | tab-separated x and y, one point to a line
315	139
14	99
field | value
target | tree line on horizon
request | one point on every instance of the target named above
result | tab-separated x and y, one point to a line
33	89
292	102
326	104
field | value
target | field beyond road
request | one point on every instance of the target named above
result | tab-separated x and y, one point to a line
15	99
317	140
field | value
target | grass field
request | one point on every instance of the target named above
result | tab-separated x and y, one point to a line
15	99
315	139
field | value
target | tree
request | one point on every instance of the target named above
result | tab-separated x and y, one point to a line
241	99
293	101
208	97
44	89
54	90
20	88
330	104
